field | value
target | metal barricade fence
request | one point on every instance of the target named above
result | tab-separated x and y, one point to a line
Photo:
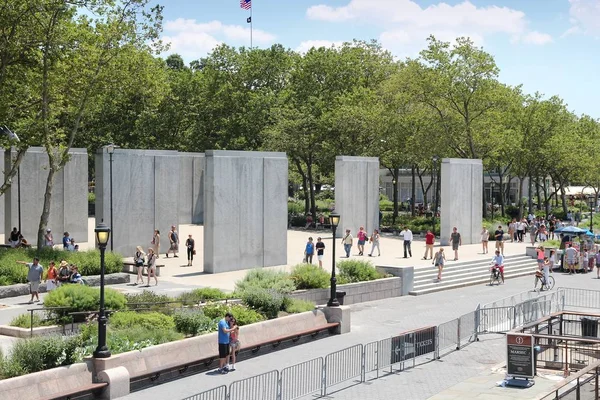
343	365
264	386
447	336
581	298
218	393
467	327
370	359
302	379
496	320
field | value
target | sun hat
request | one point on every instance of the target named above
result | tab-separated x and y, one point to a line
63	263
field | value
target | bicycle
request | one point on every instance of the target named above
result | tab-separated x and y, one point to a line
495	275
547	285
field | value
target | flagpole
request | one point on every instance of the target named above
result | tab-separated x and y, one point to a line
251	27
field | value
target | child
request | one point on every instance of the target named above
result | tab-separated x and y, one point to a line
309	251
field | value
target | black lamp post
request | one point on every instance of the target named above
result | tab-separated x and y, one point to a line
102	236
110	148
434	161
335	220
492	199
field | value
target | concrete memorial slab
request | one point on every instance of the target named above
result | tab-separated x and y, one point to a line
461	199
69	207
245	210
357	193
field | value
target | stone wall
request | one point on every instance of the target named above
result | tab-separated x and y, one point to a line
69	207
245	210
357	193
461	199
191	188
356	292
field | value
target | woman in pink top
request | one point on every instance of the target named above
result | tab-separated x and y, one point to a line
362	238
234	342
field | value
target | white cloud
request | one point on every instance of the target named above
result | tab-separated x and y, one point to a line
535	37
309	44
192	39
406	24
585	17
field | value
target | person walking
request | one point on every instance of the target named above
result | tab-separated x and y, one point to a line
521	225
374	239
190	245
48	238
51	277
499	236
138	259
532	232
152	266
512	230
156	242
347	242
598	264
429	241
34	276
485	237
223	341
438	260
456	241
320	246
309	251
362	239
408	237
173	242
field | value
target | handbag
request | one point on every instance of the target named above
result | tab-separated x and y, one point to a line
194	252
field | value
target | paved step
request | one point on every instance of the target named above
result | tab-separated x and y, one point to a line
469	273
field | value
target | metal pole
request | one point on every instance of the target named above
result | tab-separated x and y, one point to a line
251	27
333	302
492	198
433	203
19	196
112	224
102	350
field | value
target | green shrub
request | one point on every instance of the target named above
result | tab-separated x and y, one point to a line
295	207
91	197
266	301
42	353
150	301
310	276
386	205
242	314
267	279
357	271
194	322
148	320
294	306
24	321
202	295
82	298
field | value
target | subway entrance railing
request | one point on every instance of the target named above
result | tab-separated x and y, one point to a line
365	362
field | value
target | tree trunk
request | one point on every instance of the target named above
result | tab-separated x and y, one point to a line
13	171
311	190
304	185
539	194
521	205
530	200
413	209
438	185
501	185
395	173
47	202
563	199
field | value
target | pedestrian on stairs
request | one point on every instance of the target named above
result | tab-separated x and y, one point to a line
438	260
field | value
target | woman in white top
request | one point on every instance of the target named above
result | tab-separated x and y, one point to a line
374	239
485	237
48	239
152	266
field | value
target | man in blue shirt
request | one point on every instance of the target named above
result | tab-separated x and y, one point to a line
224	331
498	260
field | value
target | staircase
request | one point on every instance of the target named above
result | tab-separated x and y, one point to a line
466	273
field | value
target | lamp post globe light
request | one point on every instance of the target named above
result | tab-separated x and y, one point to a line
102	235
334	219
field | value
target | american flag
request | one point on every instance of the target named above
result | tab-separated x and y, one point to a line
246	4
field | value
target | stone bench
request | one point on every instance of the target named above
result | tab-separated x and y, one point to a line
131	268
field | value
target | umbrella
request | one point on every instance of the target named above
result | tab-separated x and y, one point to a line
573	230
589	233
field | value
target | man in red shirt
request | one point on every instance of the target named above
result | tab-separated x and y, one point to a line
429	240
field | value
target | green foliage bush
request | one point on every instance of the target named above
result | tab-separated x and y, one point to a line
91	197
24	321
148	320
82	298
351	271
295	207
294	306
266	301
87	261
41	353
194	322
202	295
310	276
242	314
386	205
267	279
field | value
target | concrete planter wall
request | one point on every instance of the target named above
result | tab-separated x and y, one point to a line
22	289
356	292
7	330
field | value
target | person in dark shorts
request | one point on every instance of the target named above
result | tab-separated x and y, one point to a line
320	246
456	242
224	331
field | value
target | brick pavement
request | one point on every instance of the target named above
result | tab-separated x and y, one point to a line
382	319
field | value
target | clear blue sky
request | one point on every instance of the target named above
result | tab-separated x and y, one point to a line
549	46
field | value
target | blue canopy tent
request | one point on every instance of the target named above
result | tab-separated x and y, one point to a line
571	230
